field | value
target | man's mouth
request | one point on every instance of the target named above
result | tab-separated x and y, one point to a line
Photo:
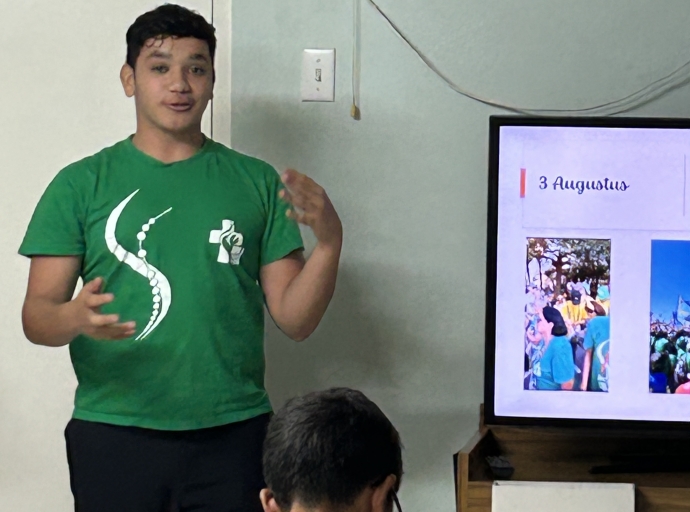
179	107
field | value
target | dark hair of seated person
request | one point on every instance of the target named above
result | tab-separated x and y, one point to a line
327	450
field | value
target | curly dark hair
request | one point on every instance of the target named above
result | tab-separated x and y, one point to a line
168	20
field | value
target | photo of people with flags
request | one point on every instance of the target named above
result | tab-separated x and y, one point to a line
567	322
669	318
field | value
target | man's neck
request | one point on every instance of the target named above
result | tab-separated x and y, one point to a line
168	148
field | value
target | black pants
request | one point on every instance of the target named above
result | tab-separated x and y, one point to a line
127	469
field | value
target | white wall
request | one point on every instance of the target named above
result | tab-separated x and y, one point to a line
61	100
409	179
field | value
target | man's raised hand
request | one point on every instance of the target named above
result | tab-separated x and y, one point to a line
312	207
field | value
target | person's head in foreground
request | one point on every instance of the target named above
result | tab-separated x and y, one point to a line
331	451
551	323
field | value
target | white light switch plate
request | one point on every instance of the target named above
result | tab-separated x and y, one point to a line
318	75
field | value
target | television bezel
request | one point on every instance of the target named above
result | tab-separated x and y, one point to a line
496	122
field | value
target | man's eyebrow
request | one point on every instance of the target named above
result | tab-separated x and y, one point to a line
158	54
199	56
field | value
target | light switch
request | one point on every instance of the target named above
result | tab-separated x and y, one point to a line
318	75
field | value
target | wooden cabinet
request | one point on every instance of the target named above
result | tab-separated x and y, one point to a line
567	455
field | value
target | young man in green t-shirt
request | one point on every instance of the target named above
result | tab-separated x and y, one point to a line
179	241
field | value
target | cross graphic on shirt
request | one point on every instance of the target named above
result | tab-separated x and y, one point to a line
232	238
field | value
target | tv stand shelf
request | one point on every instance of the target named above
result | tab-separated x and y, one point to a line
544	454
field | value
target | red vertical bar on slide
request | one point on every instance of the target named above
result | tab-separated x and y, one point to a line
523	177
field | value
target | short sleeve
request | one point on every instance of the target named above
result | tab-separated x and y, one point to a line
563	364
56	227
282	234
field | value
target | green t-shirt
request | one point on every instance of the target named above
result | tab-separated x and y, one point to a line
597	340
180	245
557	365
660	344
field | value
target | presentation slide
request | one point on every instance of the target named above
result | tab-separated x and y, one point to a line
593	274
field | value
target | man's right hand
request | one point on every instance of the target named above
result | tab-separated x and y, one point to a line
86	308
53	317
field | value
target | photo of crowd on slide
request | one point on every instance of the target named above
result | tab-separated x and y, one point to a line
567	322
669	318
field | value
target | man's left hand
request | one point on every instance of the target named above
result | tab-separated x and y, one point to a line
311	206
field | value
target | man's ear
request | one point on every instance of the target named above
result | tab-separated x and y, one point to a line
382	499
268	501
127	79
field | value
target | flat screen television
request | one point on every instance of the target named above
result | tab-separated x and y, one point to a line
588	272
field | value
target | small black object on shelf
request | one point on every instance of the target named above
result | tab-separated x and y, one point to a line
501	468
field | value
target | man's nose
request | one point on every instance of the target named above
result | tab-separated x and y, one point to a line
179	83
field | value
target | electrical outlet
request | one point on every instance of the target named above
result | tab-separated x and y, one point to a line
318	75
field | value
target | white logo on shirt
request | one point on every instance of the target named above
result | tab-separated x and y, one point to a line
227	236
160	286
